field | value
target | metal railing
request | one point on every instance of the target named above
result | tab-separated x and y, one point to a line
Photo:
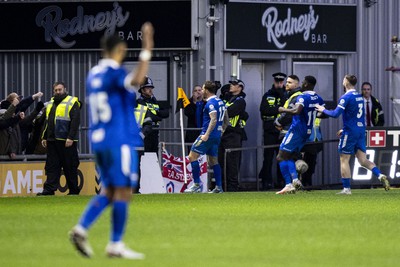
229	150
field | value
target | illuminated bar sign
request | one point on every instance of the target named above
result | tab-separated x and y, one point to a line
276	27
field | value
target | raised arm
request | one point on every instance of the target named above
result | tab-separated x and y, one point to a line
145	55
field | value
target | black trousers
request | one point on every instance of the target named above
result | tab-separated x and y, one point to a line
270	138
151	141
310	157
230	140
61	158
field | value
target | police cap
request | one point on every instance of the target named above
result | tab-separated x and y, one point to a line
279	76
237	81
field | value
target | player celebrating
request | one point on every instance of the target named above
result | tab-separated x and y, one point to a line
215	121
352	136
111	94
297	135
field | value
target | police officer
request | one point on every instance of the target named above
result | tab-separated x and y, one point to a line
234	133
149	115
60	136
270	102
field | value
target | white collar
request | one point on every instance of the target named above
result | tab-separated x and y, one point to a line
108	62
309	92
351	90
214	96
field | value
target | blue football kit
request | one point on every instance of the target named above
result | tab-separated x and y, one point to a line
351	105
114	133
210	147
302	123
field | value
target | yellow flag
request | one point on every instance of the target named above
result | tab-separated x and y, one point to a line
182	100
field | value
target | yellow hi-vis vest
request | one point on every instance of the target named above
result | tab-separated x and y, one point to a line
286	105
140	114
234	120
61	118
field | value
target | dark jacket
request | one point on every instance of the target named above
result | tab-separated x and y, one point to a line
285	119
236	108
377	116
193	112
270	102
154	114
9	136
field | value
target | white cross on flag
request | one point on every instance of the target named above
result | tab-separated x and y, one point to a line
377	138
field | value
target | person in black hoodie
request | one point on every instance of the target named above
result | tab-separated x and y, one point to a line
60	136
234	134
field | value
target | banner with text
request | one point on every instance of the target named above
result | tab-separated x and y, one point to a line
172	172
27	179
291	27
79	25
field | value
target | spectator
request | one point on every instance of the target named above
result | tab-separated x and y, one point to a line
193	112
26	125
34	145
9	126
60	137
19	132
149	115
373	109
270	102
233	135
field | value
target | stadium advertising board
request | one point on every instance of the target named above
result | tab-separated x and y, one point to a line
277	27
80	25
383	150
27	179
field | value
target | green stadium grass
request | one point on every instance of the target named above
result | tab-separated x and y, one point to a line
315	228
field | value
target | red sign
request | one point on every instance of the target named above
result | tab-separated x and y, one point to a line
377	138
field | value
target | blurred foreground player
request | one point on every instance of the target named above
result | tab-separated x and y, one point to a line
111	92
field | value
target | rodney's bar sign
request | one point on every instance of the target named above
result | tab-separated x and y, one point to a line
294	27
80	25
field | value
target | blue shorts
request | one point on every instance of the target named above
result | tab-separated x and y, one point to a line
209	147
351	142
293	142
118	167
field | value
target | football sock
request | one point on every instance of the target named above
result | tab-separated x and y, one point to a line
95	207
285	171
376	171
292	169
346	182
195	171
119	215
217	175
